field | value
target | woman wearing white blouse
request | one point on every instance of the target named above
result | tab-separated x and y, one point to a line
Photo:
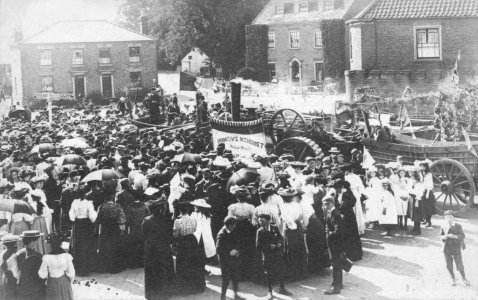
57	268
82	213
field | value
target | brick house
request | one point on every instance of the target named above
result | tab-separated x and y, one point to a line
81	57
295	49
395	43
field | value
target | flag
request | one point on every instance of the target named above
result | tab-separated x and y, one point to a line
405	118
368	160
468	142
455	78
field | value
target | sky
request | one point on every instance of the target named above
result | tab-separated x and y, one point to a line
34	15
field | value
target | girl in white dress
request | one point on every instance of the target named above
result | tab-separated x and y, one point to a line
387	207
372	192
401	189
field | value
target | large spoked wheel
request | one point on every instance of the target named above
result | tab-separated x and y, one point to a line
287	123
453	186
299	147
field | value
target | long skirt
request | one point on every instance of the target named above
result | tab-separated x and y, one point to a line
17	228
158	271
109	249
414	209
190	265
296	257
317	246
428	205
59	288
352	243
82	246
249	263
40	244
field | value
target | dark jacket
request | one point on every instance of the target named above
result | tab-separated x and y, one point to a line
265	239
226	242
30	286
452	244
333	223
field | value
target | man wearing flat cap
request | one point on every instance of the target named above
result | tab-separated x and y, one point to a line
453	238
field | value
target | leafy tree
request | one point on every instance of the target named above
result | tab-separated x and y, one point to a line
215	26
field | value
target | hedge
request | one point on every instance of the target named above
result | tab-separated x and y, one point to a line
333	40
257	50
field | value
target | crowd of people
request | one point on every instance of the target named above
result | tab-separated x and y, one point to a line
105	198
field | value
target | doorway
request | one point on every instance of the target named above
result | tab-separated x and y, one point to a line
107	85
295	71
79	86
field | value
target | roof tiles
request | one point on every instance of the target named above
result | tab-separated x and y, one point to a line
411	9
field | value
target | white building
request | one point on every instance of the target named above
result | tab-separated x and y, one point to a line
196	62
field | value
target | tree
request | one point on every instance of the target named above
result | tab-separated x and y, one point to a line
215	26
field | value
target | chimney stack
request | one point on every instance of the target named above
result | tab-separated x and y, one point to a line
236	101
143	22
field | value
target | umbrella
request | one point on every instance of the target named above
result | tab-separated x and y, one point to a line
129	127
242	176
75	143
40	148
16	206
71	159
187	157
102	175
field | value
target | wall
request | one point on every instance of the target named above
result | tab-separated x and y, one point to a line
63	71
386	58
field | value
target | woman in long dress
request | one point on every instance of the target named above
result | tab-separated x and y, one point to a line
39	223
372	192
357	188
415	204
345	202
189	257
58	270
244	213
428	197
37	183
203	231
157	232
401	189
295	248
387	207
111	221
20	222
83	215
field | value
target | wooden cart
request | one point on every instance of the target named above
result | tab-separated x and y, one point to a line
454	167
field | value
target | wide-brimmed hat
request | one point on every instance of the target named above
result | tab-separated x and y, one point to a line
309	158
422	162
334	150
298	164
237	189
31	234
288	192
200	203
267	183
38	179
9	238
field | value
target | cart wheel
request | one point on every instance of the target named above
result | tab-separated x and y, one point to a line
225	116
286	123
300	147
453	186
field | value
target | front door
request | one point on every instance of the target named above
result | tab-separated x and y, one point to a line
79	86
107	85
295	71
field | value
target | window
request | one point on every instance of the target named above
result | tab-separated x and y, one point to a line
319	71
272	70
47	83
313	5
77	57
105	56
303	7
318	38
134	54
279	9
272	39
329	4
45	57
190	57
135	79
294	39
428	43
288	8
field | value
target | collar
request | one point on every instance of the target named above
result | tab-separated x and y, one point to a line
228	231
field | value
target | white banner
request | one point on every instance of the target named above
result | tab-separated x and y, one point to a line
241	144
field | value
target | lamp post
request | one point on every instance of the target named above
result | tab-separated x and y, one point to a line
50	110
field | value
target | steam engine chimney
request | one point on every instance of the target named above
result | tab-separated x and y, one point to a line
236	101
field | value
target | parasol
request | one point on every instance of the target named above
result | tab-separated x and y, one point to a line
129	128
187	157
102	175
40	148
75	143
16	206
243	176
70	159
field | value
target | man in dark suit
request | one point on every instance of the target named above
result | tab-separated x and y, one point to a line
226	247
453	238
269	242
333	223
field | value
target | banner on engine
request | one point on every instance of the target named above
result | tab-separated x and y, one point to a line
242	138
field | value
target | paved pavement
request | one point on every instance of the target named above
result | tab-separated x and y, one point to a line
399	267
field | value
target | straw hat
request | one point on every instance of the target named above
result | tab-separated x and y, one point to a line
200	203
9	238
31	234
